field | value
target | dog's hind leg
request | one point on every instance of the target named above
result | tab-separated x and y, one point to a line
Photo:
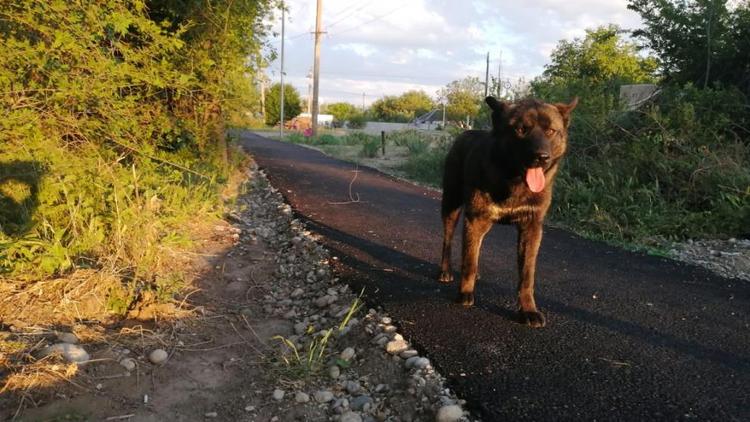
529	239
450	215
474	231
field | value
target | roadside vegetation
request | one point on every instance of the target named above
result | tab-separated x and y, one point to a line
113	152
675	167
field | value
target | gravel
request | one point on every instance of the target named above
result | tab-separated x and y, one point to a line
373	373
728	258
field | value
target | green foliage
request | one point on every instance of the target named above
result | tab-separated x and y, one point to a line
462	98
359	138
292	104
673	171
114	113
358	121
704	42
341	111
370	147
403	108
426	167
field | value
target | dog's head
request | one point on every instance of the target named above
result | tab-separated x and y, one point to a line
534	135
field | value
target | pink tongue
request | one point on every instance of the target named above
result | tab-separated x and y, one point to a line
535	179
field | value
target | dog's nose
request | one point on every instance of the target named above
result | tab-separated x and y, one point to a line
542	157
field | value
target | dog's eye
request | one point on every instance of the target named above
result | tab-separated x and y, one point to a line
521	131
550	132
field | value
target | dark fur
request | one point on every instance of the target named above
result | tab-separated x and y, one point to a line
485	175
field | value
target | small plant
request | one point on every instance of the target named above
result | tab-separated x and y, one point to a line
303	364
326	139
296	138
358	121
370	147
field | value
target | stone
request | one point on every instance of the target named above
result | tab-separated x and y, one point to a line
450	413
323	396
347	354
410	362
301	397
300	328
395	347
128	363
351	417
406	354
334	372
69	338
421	363
297	293
352	387
158	356
70	352
386	320
278	394
323	301
359	402
211	415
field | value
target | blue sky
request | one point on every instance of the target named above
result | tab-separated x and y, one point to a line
387	47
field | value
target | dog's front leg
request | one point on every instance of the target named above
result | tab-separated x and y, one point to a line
529	239
474	231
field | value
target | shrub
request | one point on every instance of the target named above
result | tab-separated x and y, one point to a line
370	147
426	167
326	139
357	121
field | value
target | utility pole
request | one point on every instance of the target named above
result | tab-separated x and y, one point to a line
316	67
309	92
500	76
487	76
443	116
363	102
281	95
263	96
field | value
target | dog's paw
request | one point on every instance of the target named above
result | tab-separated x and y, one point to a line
533	319
465	299
446	277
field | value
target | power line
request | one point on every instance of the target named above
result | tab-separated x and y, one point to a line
376	18
348	15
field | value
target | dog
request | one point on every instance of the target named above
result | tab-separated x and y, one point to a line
504	176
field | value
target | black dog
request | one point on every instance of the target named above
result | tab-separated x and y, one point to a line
504	176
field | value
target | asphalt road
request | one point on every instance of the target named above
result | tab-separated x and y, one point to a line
629	337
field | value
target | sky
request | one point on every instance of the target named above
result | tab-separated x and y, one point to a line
387	47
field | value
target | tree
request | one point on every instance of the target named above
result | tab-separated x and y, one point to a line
402	108
341	111
698	41
462	98
292	104
595	65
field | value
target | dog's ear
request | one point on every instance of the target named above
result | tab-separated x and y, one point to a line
566	109
498	106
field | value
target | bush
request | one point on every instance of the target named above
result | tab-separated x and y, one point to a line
357	121
677	169
296	138
359	138
426	167
370	147
326	139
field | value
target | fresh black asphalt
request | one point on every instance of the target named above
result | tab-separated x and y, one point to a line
629	337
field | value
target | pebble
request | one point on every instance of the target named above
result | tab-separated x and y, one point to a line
128	363
323	396
300	328
351	417
69	338
347	354
158	356
71	352
386	320
334	372
396	346
421	363
249	408
406	354
278	394
352	387
297	293
450	413
359	402
211	414
410	362
301	397
323	301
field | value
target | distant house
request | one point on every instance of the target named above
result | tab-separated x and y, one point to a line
323	119
429	121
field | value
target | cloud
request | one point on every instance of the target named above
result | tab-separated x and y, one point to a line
390	46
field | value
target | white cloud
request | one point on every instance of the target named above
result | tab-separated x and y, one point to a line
390	46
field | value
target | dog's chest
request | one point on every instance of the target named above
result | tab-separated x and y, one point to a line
482	205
